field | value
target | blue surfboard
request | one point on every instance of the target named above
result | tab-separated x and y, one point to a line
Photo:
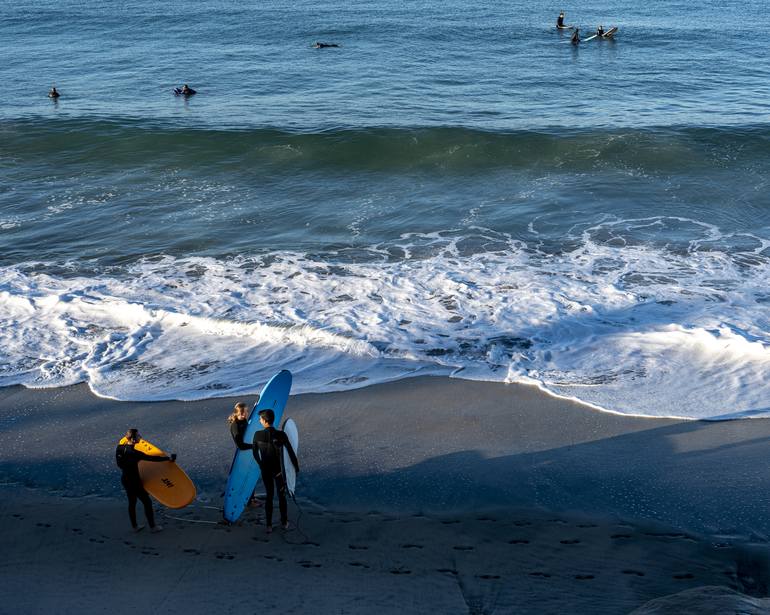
244	472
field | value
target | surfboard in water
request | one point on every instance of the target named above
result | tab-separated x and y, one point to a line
290	429
244	471
610	33
163	480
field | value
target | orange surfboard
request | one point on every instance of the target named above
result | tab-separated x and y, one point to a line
164	480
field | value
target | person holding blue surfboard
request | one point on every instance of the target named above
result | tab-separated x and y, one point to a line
128	458
269	445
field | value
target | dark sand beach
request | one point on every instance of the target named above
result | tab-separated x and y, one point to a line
426	494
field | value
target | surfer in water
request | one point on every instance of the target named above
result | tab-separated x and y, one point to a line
53	93
600	31
185	90
268	451
128	458
324	45
239	421
576	36
560	21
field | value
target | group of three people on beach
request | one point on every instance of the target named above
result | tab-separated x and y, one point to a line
267	447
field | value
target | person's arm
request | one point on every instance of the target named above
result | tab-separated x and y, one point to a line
292	455
237	433
145	457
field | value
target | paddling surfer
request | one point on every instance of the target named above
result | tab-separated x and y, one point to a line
576	36
128	458
560	21
53	93
600	31
268	451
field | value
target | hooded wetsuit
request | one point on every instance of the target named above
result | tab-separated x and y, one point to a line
268	451
128	458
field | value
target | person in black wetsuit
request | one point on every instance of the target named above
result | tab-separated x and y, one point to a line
268	451
576	37
324	45
239	421
600	31
128	458
560	21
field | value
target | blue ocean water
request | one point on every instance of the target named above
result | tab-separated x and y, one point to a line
454	190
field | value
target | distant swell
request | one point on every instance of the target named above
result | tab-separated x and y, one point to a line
129	143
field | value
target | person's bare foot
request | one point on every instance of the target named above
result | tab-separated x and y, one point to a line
138	528
269	529
156	528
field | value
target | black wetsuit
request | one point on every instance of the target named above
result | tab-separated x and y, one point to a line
268	451
600	32
560	21
128	458
237	430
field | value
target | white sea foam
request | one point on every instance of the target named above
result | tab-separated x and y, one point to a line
632	328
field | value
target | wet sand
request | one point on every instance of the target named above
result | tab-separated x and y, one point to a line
429	493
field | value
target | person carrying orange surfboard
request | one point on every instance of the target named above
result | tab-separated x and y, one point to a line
128	458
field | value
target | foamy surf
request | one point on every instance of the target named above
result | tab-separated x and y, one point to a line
636	329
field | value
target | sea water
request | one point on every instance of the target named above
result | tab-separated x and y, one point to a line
455	190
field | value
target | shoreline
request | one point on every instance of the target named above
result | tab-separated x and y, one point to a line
427	493
433	443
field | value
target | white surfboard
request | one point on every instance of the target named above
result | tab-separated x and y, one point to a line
290	429
590	38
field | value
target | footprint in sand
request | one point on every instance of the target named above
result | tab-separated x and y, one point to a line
273	557
192	551
570	541
584	577
462	548
587	525
400	570
637	573
17	516
43	524
308	564
543	575
411	546
671	535
358	547
224	556
488	577
358	564
451	571
489	519
521	523
450	521
309	543
518	541
616	536
76	530
683	576
101	542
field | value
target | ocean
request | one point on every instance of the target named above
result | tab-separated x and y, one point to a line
454	190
